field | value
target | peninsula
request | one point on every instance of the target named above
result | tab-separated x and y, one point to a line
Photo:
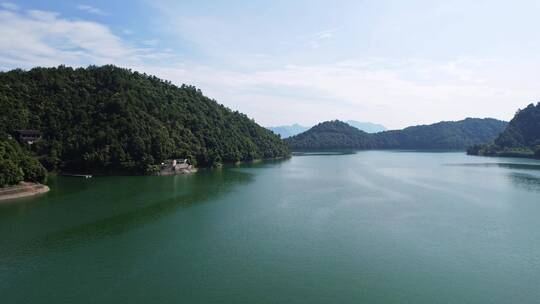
521	138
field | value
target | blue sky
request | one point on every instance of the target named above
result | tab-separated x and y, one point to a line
397	63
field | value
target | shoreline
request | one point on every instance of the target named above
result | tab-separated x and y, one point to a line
24	189
168	172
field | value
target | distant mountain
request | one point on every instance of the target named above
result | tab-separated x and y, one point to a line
449	135
331	135
292	130
288	130
521	138
367	126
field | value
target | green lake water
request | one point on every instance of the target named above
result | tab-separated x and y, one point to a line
366	227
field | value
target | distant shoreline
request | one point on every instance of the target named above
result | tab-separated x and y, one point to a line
24	189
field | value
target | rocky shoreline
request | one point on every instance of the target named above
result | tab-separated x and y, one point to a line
23	189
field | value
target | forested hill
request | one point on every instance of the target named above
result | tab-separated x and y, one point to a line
451	135
112	119
521	138
294	129
331	135
456	135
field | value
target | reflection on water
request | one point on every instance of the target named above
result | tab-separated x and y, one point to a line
372	227
500	165
526	181
518	176
322	153
165	198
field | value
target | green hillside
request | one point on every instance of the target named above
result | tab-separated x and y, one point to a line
109	119
331	135
520	139
448	135
451	135
17	165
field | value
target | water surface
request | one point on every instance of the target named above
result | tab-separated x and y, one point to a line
373	227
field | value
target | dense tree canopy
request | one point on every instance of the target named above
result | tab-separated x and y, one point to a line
16	165
112	119
443	135
331	135
520	139
450	135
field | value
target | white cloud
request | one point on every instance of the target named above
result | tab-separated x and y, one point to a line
150	42
91	9
9	6
355	91
326	34
395	92
44	38
316	40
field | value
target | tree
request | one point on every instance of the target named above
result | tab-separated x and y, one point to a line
16	165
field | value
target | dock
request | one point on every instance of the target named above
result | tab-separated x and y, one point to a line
77	175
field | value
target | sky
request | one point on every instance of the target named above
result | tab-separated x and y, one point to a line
397	63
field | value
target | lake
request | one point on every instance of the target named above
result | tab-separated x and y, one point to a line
371	227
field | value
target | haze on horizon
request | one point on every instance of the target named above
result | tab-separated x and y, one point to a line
387	62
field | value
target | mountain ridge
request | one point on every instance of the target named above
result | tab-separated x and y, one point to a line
286	131
451	135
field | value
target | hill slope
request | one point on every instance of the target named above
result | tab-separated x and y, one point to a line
331	135
17	165
451	135
521	138
443	135
112	119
